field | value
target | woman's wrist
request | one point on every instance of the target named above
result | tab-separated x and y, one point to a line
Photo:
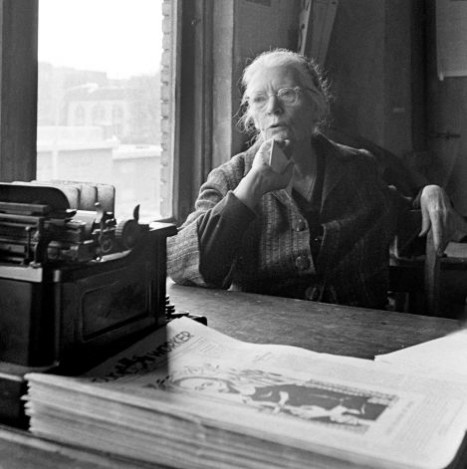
249	190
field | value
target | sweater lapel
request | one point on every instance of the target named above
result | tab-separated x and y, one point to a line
333	168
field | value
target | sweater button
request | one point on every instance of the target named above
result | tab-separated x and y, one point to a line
300	225
302	262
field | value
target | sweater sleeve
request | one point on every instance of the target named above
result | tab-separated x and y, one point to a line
219	233
203	251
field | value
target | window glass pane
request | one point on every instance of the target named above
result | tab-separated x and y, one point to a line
99	104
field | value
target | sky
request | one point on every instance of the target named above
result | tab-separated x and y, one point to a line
120	37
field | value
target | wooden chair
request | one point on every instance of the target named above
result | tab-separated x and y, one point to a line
421	282
414	269
424	282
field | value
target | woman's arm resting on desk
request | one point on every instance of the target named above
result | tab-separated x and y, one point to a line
203	252
220	235
211	234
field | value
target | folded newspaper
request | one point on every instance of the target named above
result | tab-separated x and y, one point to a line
446	355
190	397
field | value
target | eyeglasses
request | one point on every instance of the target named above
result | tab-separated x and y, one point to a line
287	96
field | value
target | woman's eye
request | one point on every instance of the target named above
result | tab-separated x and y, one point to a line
287	95
259	99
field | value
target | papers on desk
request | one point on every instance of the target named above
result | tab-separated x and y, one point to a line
446	355
190	397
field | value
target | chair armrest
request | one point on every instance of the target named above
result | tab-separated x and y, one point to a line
432	276
408	248
407	244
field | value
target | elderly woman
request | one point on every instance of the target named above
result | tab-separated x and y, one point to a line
317	227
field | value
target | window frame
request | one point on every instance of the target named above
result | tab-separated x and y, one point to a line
193	155
18	89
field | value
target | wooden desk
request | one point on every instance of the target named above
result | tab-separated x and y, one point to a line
340	330
254	318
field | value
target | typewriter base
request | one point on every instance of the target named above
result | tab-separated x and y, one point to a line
77	314
67	319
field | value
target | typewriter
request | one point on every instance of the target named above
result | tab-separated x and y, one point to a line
76	285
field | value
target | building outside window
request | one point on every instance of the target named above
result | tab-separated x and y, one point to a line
79	116
105	113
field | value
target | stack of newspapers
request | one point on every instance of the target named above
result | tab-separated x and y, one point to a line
189	397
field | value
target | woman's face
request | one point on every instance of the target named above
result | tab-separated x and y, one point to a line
275	113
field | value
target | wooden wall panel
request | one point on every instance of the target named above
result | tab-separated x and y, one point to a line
369	66
355	67
446	124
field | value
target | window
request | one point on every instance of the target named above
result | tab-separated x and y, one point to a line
79	116
98	115
106	98
28	123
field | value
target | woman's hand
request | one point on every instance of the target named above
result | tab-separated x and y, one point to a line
272	179
262	178
438	214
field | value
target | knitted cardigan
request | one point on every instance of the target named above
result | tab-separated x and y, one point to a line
359	215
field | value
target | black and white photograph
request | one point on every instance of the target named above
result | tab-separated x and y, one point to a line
233	234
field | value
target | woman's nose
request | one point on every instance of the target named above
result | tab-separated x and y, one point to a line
274	106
